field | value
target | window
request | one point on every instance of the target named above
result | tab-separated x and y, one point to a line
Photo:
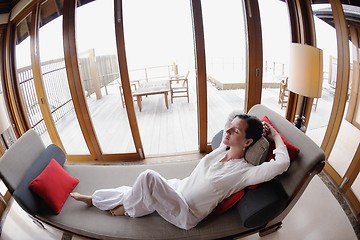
276	44
159	46
56	86
99	72
225	46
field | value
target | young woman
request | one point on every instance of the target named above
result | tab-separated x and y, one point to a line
218	175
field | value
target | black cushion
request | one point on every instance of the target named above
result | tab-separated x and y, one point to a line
262	204
26	198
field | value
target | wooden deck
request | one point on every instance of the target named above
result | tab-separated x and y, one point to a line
163	131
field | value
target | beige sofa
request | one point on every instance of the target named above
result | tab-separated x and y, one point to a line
261	210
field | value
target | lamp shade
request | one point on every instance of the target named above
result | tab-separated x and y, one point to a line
305	70
4	121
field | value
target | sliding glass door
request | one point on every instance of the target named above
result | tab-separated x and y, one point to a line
100	78
56	86
225	46
159	48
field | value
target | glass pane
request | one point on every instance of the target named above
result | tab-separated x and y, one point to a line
355	187
349	136
345	147
326	40
276	41
57	88
159	47
357	112
99	71
8	135
225	46
26	80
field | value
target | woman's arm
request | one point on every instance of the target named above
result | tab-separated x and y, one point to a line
229	119
272	135
268	170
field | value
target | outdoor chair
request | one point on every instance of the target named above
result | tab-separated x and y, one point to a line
134	85
179	87
283	94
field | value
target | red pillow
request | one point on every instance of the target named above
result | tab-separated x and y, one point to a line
293	150
54	185
228	202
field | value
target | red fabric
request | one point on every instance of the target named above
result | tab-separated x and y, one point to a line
227	203
293	150
54	185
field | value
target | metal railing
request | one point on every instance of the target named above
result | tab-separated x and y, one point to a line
151	73
29	99
56	88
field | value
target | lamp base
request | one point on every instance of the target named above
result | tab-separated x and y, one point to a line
299	123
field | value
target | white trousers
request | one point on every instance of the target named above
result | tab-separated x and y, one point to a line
150	192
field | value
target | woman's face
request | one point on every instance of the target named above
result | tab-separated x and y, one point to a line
235	134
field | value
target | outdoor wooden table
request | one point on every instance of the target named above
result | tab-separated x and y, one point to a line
152	88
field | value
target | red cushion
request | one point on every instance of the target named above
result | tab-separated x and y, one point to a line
293	150
54	185
227	203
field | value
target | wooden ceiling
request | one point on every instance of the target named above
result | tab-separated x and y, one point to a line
50	9
7	5
351	12
346	2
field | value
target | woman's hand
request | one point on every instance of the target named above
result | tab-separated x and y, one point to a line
272	135
268	131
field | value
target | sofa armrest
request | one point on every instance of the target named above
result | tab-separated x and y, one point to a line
19	158
26	198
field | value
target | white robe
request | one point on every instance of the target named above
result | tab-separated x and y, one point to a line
186	202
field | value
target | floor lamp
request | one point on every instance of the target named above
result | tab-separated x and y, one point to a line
4	121
305	75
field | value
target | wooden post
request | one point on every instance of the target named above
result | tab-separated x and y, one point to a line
94	75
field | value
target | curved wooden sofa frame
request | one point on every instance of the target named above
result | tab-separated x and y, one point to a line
78	219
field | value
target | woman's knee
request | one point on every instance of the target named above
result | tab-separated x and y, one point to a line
150	179
149	174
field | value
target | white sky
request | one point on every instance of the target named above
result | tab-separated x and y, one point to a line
160	32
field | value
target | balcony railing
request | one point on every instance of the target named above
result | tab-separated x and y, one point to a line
57	89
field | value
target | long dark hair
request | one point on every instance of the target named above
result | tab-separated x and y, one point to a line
254	128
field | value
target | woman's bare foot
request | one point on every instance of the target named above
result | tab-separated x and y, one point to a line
118	211
87	199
